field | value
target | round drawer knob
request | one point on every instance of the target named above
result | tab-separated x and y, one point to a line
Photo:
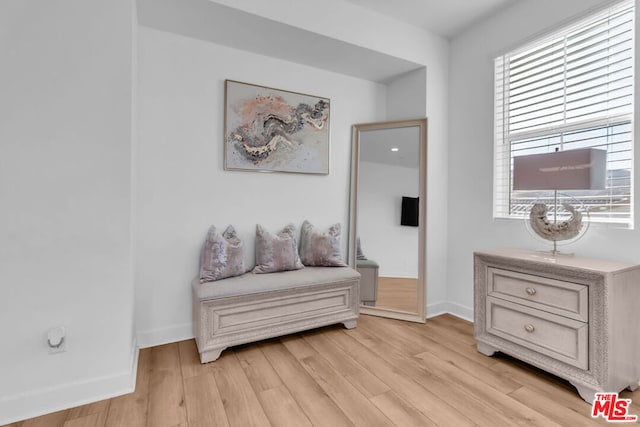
529	327
531	291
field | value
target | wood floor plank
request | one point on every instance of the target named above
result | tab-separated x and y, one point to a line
55	419
259	371
166	392
399	411
544	384
92	408
96	419
204	403
475	369
635	400
441	331
416	340
240	402
282	409
190	359
561	414
298	347
434	382
531	376
130	410
451	322
406	339
500	405
428	403
507	411
276	400
437	334
447	334
359	409
369	385
394	333
313	400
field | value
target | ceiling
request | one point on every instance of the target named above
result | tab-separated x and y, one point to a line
211	21
443	17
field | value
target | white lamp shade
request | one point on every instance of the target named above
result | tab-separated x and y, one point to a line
581	169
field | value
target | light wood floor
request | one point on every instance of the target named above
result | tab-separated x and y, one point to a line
384	372
398	293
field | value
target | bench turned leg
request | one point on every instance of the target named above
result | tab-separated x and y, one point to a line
350	324
211	355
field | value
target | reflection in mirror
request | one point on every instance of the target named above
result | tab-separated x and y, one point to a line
387	232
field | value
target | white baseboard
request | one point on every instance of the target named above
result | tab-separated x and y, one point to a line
52	399
460	311
162	336
436	309
452	308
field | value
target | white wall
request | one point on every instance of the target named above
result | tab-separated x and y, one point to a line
372	30
181	185
65	257
471	226
423	93
180	115
418	94
393	246
406	97
70	202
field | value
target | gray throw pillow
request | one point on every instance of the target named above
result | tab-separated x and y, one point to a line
320	249
221	255
276	252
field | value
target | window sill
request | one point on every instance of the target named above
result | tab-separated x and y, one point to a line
596	224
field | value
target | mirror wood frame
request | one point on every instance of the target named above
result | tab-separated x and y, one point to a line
420	315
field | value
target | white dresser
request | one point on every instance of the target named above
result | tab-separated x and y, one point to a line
578	318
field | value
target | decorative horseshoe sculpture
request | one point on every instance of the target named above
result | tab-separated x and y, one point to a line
563	230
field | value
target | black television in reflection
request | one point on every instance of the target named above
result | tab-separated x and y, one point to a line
409	212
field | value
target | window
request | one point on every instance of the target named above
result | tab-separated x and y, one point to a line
573	89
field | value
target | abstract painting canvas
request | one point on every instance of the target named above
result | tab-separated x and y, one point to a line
273	130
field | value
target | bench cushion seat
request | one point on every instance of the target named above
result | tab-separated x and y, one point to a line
251	283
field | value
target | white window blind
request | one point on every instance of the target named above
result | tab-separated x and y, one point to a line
573	89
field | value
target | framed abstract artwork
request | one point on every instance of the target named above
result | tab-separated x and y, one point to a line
274	130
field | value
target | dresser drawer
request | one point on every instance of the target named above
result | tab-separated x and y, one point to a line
555	296
563	339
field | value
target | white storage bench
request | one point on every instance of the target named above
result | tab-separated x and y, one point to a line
253	307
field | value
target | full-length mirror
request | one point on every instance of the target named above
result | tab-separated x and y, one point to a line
387	232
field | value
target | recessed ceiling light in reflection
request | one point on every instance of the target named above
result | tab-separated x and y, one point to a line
394	149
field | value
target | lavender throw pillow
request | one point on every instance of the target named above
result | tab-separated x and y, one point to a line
320	249
221	255
276	252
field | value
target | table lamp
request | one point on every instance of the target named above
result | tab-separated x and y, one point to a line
580	169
